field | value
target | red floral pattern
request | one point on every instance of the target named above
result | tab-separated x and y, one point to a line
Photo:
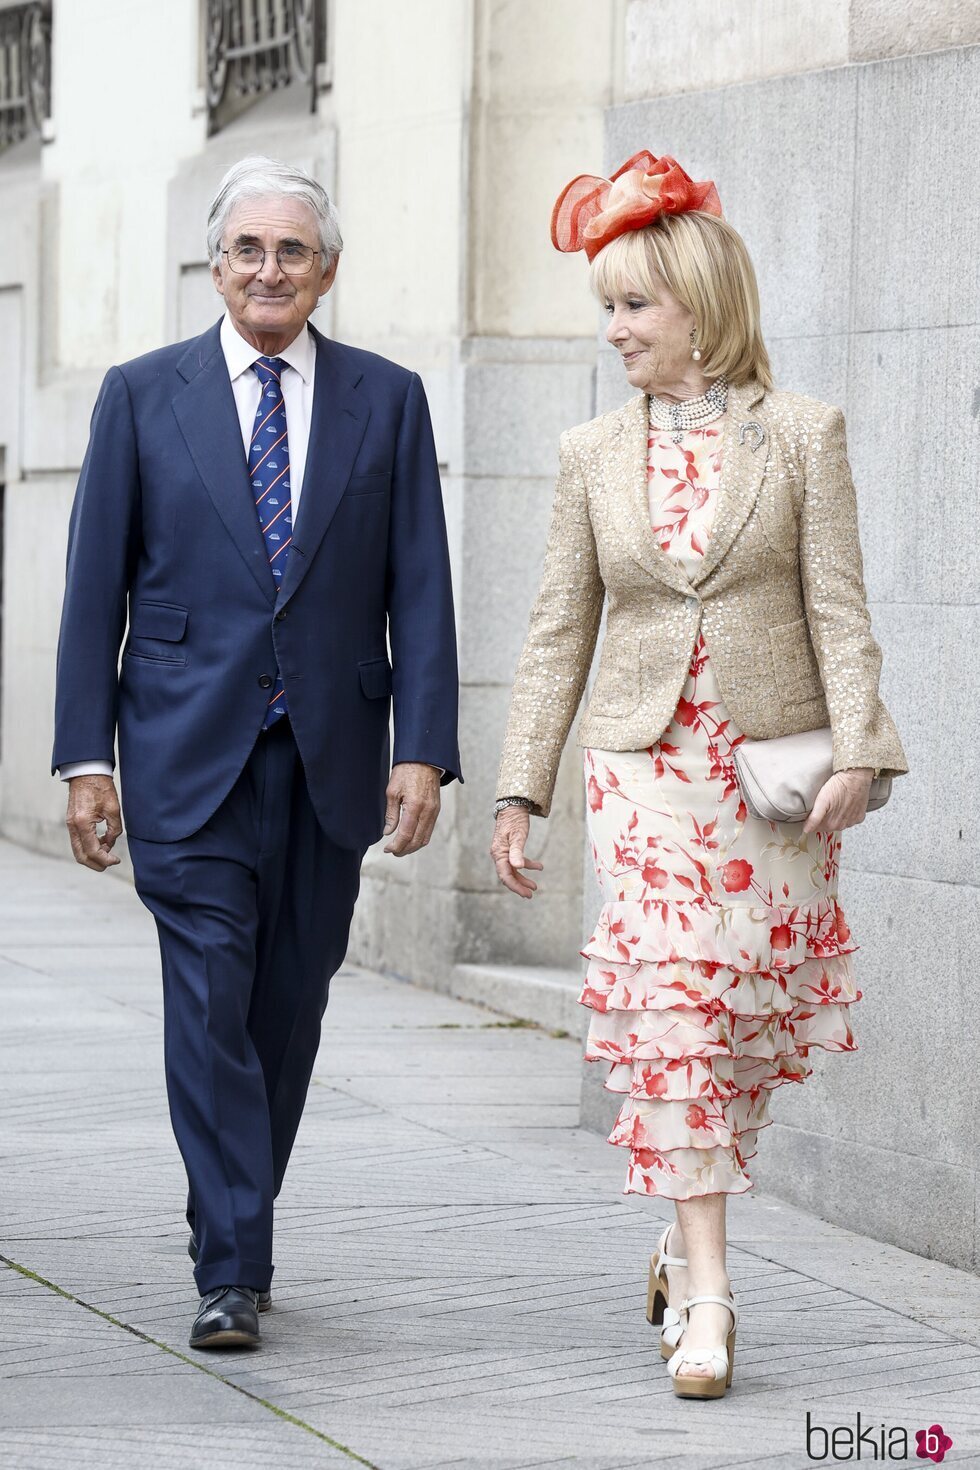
736	875
721	955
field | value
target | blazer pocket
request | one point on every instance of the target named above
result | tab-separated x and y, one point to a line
367	484
375	674
154	627
795	664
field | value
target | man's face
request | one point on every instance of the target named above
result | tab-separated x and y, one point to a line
270	304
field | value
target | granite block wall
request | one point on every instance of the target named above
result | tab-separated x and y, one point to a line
515	397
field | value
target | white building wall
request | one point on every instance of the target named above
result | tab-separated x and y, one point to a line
126	75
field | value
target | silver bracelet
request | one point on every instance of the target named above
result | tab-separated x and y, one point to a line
506	801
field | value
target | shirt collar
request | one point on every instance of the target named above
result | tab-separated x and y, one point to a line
240	355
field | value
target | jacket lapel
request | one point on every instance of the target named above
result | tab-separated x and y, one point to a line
745	452
205	411
340	418
625	463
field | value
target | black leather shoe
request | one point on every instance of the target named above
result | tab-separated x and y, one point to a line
265	1297
228	1317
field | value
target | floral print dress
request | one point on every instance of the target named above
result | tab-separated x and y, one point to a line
721	955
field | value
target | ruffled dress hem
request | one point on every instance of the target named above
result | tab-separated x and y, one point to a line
700	1013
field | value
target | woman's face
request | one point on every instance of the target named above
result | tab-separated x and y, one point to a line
653	337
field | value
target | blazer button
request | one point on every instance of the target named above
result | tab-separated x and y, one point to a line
280	615
266	681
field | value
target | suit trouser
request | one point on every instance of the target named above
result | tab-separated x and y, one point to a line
253	913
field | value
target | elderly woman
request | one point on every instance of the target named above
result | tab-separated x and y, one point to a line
716	518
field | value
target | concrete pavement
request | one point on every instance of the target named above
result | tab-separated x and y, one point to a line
460	1282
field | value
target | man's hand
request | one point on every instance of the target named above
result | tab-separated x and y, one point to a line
841	802
91	801
510	836
413	806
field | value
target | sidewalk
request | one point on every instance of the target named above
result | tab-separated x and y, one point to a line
460	1282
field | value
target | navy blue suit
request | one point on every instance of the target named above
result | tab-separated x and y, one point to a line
164	517
246	844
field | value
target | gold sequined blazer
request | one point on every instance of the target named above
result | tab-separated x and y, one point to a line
779	596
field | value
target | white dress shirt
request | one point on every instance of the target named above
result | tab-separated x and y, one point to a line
297	392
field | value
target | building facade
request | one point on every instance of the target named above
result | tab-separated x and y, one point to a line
839	136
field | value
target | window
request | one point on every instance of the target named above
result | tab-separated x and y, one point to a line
25	70
253	47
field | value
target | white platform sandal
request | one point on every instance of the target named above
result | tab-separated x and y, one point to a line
659	1312
721	1360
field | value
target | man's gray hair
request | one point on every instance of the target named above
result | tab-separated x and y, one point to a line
258	177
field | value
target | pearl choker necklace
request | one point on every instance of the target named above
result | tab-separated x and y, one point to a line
690	413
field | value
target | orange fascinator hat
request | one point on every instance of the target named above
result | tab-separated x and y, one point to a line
589	212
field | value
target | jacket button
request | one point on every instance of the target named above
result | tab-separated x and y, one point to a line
280	615
266	681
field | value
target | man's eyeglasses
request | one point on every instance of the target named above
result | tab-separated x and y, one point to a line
293	260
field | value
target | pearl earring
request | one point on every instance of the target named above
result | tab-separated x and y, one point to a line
695	351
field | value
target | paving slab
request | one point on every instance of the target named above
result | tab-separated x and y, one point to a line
459	1280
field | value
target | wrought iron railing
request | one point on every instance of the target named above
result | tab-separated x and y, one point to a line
25	70
254	46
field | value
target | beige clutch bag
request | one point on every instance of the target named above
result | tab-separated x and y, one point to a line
779	779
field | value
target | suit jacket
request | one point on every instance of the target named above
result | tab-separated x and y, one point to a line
779	597
164	526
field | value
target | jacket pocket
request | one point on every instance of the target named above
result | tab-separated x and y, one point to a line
375	674
367	484
794	662
154	629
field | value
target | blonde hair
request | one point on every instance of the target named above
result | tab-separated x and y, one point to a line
706	265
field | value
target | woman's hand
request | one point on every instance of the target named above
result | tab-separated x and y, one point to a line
510	836
841	802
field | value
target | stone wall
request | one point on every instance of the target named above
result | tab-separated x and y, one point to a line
693	45
523	369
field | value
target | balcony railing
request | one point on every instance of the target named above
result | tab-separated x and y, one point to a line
25	70
255	46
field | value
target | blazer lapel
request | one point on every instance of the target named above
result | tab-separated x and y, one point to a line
745	452
340	418
205	411
626	487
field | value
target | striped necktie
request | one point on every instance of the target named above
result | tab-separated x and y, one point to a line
268	470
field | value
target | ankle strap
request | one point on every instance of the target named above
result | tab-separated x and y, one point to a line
664	1258
723	1301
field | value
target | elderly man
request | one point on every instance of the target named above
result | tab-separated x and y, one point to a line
266	505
